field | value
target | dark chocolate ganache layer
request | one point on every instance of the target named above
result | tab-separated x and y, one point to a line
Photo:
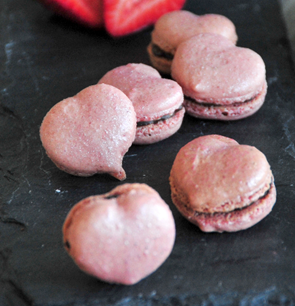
157	51
144	123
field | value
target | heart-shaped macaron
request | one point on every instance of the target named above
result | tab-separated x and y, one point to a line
90	132
219	80
220	185
157	101
121	236
175	27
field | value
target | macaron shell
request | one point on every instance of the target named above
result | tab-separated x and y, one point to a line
152	96
156	132
211	69
128	76
175	27
215	174
90	132
226	112
233	221
122	236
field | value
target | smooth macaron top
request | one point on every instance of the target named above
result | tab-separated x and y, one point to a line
211	69
90	132
177	26
216	174
152	96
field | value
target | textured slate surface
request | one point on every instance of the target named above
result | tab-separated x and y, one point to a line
44	59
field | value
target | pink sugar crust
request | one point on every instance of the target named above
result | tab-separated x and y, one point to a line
152	96
215	175
122	239
173	28
211	69
90	132
226	112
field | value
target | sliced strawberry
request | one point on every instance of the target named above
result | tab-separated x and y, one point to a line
86	12
124	17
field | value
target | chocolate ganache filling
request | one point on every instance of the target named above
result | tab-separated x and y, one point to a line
157	51
165	117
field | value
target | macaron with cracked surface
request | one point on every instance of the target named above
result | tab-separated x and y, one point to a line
220	185
90	132
220	81
158	102
121	236
175	27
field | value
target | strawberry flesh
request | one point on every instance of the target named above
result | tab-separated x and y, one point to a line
123	17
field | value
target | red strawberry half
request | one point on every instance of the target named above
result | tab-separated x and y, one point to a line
86	12
124	17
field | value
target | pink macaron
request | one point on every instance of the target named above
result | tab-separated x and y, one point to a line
121	236
175	27
90	132
220	80
220	185
157	101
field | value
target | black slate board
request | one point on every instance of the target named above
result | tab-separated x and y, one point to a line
44	59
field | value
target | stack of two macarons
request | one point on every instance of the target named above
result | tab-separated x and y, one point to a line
220	81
